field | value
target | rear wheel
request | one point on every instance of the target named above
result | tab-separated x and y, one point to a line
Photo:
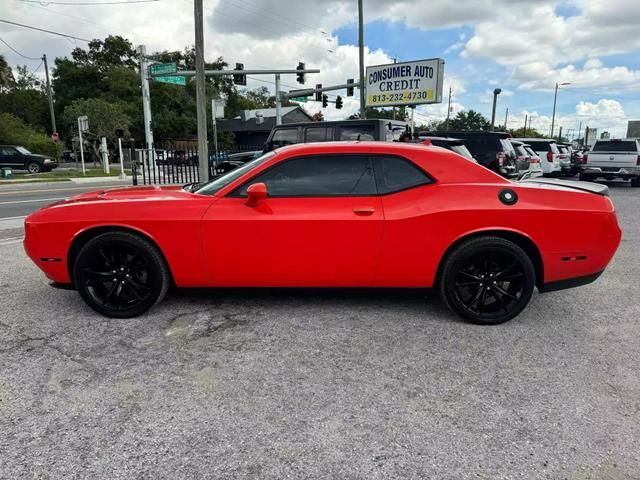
635	182
487	280
120	274
34	167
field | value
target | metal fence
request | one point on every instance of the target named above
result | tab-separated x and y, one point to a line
181	166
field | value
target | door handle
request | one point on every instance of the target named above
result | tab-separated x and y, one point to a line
364	210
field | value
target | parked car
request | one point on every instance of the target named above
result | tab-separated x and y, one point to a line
528	164
235	160
19	158
565	159
338	214
453	144
491	149
547	151
613	158
307	132
535	167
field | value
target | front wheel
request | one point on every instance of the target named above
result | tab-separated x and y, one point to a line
120	274
487	280
34	167
635	182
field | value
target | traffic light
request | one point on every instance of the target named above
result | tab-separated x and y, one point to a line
300	75
325	101
240	79
350	81
318	94
338	102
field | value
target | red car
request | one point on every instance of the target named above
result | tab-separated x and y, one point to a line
361	214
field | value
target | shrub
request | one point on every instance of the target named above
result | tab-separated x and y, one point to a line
14	131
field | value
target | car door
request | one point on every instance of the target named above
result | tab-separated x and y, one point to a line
320	226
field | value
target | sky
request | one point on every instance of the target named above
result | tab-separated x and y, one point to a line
523	47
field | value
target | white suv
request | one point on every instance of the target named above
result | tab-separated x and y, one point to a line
547	151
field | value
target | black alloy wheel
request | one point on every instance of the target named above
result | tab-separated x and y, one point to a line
120	274
487	280
34	167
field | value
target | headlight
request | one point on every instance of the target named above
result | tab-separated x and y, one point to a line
48	160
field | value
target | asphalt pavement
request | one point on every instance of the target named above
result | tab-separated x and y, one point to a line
280	384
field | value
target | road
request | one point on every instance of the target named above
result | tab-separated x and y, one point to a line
278	384
18	200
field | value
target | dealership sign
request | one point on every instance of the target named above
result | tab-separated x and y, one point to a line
406	83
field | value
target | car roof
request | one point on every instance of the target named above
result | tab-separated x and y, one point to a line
440	139
467	133
353	146
359	121
528	139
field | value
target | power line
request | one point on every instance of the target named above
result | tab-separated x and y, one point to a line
45	31
59	13
16	51
81	4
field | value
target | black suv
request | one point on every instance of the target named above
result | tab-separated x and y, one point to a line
307	132
20	158
453	144
491	149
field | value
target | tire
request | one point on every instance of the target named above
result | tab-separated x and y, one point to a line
120	274
467	271
34	167
635	182
586	177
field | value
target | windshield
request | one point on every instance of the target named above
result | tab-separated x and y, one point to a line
520	150
215	185
462	150
530	151
23	150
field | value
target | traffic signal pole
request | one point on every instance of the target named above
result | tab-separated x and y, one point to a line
201	95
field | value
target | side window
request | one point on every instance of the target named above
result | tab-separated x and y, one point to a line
317	176
317	134
357	132
394	174
9	151
285	136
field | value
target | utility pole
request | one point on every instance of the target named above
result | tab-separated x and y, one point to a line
361	55
278	101
506	117
50	95
448	110
201	95
524	134
560	133
580	130
146	97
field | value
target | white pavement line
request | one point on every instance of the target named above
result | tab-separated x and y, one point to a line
10	241
12	218
11	222
32	200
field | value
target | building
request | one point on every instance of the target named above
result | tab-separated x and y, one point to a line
252	127
633	129
605	135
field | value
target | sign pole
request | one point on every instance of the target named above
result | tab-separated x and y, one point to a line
146	96
215	131
105	155
81	147
122	174
278	101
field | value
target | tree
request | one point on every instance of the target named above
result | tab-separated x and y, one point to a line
371	112
468	120
104	119
14	131
114	51
7	81
529	133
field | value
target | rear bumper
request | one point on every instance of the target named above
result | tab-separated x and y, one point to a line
569	283
631	171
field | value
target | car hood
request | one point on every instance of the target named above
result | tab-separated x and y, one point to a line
133	193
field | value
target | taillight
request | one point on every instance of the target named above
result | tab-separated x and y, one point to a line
638	160
550	157
534	160
500	157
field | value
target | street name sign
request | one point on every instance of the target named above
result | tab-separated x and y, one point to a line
162	68
173	79
406	83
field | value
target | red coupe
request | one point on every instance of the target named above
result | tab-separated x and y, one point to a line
363	214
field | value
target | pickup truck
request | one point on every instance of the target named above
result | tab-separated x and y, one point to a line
613	158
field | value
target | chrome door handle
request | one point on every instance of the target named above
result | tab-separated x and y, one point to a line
364	210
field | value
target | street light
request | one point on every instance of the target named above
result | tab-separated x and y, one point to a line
555	97
496	92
